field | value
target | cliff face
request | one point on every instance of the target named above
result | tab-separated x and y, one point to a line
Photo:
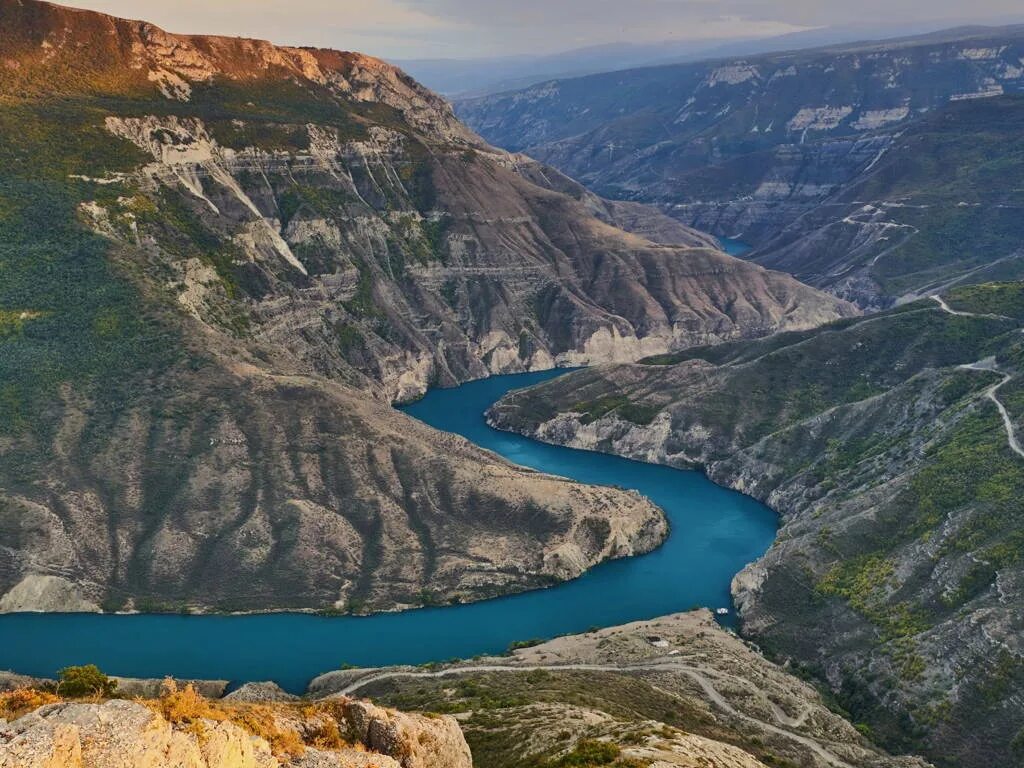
363	227
52	50
890	447
395	265
936	210
807	155
218	253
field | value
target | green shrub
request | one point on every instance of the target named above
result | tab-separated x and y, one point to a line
87	680
588	753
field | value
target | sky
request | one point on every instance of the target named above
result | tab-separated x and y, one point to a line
404	29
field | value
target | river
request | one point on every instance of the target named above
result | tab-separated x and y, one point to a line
715	532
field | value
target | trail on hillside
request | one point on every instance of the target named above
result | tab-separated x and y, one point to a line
699	674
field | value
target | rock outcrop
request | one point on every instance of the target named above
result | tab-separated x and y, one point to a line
124	733
266	691
128	733
414	740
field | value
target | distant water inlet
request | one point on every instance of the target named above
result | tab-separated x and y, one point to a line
734	247
715	532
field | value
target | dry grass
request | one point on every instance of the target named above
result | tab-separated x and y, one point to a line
183	706
260	720
14	704
287	728
188	708
324	733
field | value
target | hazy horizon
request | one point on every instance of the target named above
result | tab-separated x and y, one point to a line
467	29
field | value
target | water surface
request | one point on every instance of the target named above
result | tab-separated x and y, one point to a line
715	533
735	247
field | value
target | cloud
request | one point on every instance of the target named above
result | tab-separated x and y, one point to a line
560	24
329	23
468	28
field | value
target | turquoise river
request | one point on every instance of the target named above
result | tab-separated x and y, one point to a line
715	532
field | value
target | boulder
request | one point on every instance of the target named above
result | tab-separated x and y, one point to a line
151	688
124	734
260	692
415	741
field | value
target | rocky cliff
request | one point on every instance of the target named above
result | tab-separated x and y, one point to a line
890	446
938	209
223	259
184	730
776	149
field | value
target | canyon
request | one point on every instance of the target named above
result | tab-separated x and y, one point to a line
226	259
225	262
826	160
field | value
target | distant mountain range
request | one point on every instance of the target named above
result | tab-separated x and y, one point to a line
781	150
466	78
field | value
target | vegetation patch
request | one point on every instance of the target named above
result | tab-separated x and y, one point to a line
620	405
1003	299
87	324
13	321
88	680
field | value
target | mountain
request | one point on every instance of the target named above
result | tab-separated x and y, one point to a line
462	78
224	259
470	78
891	447
941	207
750	147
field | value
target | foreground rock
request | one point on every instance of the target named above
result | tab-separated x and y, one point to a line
127	733
417	742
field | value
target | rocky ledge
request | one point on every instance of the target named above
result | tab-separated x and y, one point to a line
184	730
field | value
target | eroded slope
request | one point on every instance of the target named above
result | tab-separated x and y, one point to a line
889	446
673	691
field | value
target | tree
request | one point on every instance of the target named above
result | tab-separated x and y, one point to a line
88	680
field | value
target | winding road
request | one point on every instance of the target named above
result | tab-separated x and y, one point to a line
989	364
699	674
957	313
